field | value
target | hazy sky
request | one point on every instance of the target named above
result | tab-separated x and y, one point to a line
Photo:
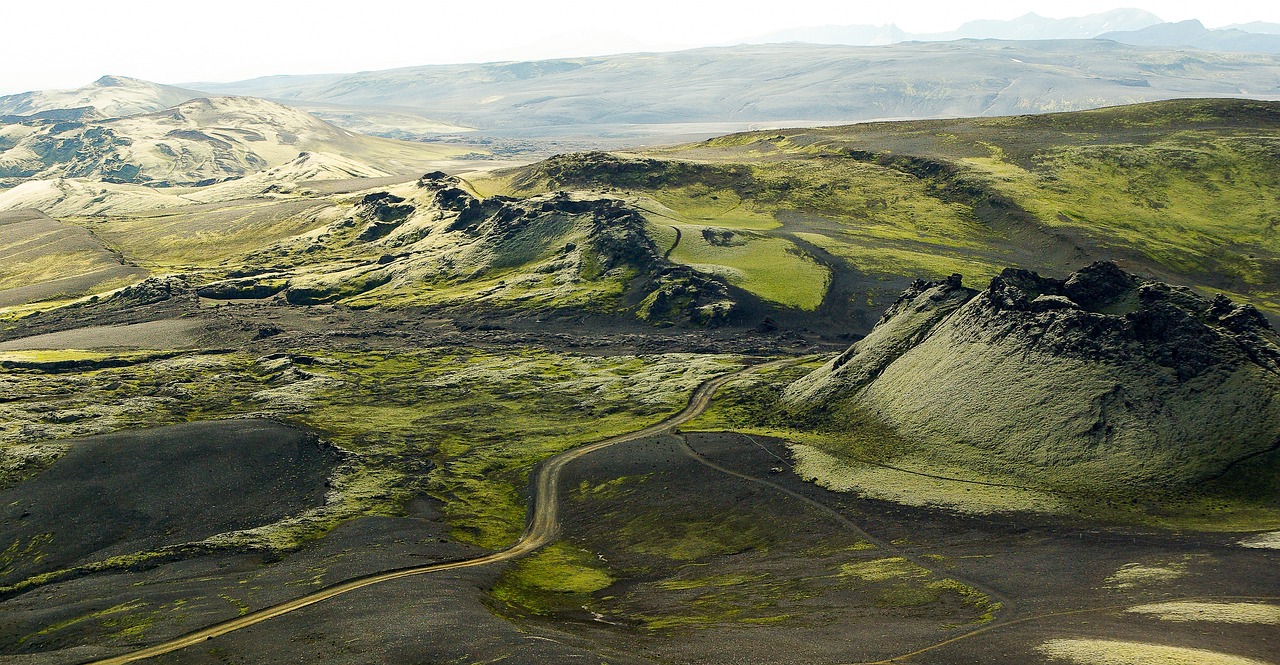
69	43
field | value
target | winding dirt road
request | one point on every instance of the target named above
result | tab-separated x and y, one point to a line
543	528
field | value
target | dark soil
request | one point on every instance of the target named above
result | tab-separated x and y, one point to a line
786	537
134	491
271	325
1036	567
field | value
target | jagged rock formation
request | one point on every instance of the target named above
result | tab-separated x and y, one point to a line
602	169
1102	379
439	243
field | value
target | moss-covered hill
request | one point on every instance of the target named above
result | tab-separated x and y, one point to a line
1101	383
838	220
436	243
816	228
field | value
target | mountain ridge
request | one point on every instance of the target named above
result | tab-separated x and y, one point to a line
1192	33
197	142
109	97
780	84
1027	26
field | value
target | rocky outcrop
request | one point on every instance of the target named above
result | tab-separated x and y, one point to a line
1102	378
147	292
439	243
604	236
684	294
904	325
603	170
384	212
252	288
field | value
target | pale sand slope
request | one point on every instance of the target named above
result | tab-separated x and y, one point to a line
1214	612
1110	652
163	334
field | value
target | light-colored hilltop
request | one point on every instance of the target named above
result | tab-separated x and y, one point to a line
200	142
108	97
78	197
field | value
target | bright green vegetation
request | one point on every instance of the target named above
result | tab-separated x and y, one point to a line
849	448
713	581
867	257
59	264
754	604
200	237
689	538
545	254
879	570
701	204
1196	204
51	356
1139	575
910	585
492	417
1185	188
739	403
139	391
739	221
48	261
772	268
752	405
652	552
241	608
1188	186
558	578
126	621
610	489
465	426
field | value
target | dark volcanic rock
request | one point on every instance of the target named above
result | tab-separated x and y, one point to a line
1101	312
603	170
384	211
242	288
149	291
1102	377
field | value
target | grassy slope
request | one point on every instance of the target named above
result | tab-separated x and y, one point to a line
42	259
489	418
205	236
838	219
847	448
1182	190
1185	189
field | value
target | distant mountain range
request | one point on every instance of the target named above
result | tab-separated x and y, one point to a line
612	101
1029	26
1260	27
1194	34
1128	26
716	90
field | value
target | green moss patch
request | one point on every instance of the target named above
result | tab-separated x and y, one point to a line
559	577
